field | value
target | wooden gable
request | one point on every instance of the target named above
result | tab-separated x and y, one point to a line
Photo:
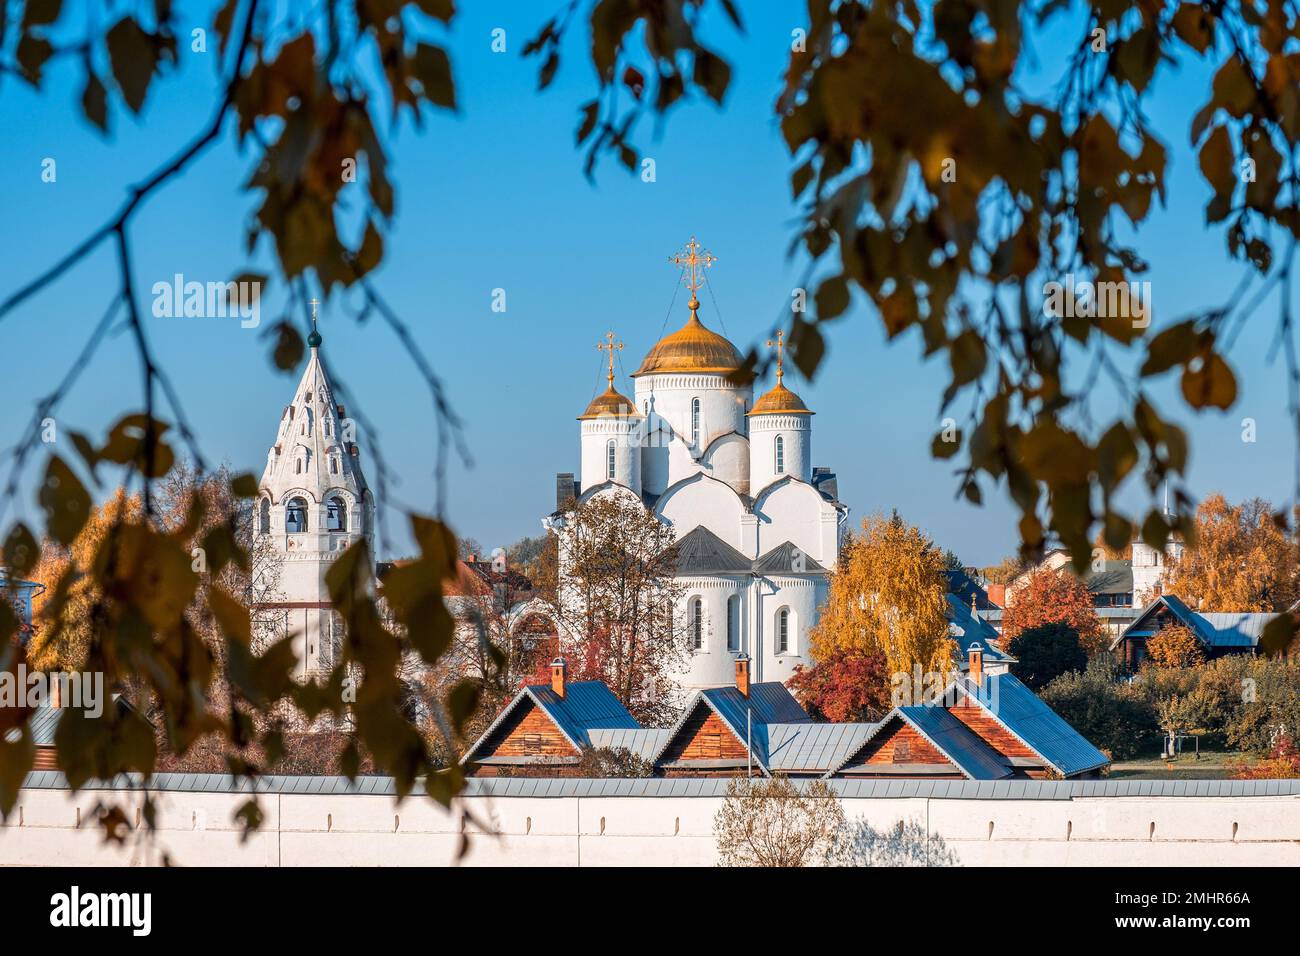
526	732
990	730
899	750
704	742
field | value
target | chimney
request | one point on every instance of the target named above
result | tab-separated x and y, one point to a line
559	671
742	675
976	658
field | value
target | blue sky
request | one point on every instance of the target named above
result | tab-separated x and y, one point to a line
494	197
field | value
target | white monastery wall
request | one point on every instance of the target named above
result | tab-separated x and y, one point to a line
358	829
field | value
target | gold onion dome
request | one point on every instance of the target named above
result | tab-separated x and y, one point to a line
692	348
609	403
780	400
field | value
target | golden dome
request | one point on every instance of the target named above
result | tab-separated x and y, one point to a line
610	404
780	401
692	348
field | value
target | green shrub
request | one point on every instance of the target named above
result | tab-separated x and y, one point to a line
1112	714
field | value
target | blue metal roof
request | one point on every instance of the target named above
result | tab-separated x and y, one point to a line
767	703
586	705
1216	629
643	742
1039	727
967	628
810	748
973	757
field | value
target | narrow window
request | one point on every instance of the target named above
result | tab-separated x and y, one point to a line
609	459
695	422
334	464
295	516
780	455
264	515
336	515
783	630
733	623
697	624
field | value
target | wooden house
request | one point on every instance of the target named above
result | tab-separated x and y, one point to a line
544	730
1220	633
983	727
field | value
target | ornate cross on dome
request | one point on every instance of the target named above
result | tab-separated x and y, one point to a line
611	348
779	345
696	259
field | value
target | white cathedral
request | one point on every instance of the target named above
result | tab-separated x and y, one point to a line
758	527
314	503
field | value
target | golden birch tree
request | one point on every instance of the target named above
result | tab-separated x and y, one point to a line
887	595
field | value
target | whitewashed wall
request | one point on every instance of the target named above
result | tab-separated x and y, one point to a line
353	829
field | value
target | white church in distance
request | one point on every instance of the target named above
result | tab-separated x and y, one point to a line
758	527
314	502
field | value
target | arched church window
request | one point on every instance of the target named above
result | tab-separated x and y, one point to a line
264	516
696	624
780	455
609	459
783	631
336	515
334	463
695	422
295	516
733	623
329	428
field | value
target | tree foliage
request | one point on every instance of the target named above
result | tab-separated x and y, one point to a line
1174	646
1111	713
614	597
1051	597
1244	559
950	227
887	597
776	822
1045	652
848	685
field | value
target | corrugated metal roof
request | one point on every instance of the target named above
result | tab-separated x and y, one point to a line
43	723
808	747
1021	712
644	742
586	705
703	552
695	787
967	628
1219	629
787	558
768	703
972	756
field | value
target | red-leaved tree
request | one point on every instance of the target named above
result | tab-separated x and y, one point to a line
1052	597
848	684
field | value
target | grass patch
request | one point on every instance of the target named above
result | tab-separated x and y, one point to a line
1213	765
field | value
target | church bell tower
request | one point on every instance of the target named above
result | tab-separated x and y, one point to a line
313	503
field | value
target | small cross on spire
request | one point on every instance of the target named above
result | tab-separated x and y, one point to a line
314	339
779	345
611	347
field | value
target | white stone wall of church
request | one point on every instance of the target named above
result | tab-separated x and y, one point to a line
713	665
796	433
803	597
706	503
198	829
597	433
668	398
796	512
